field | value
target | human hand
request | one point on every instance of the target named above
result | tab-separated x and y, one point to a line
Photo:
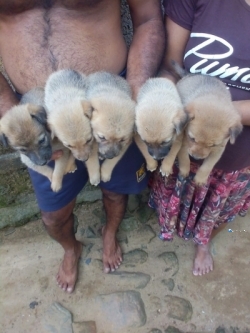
56	154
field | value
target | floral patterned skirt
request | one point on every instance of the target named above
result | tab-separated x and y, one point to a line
194	211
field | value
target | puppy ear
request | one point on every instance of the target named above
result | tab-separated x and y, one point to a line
180	122
38	113
87	108
51	130
4	140
190	110
234	132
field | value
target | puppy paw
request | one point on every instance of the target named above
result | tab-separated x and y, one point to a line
105	173
56	185
94	179
71	169
105	177
152	165
184	172
165	171
200	180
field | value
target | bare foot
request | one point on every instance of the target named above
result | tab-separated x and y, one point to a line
203	261
112	253
68	270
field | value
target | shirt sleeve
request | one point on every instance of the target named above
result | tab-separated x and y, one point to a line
181	12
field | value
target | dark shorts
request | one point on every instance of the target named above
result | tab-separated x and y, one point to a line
128	177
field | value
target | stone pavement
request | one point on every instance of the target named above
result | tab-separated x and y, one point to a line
153	291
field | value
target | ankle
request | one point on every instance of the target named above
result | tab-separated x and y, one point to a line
74	250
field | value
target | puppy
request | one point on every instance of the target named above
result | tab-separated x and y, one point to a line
213	121
113	116
160	119
69	116
24	128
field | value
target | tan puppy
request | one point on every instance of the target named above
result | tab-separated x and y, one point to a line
23	127
112	119
214	121
69	118
160	119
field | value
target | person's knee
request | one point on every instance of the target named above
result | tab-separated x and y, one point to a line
59	217
114	197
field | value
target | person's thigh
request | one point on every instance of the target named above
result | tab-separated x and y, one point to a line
129	175
49	201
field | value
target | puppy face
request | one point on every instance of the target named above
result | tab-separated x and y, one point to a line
71	125
158	127
211	128
24	128
112	123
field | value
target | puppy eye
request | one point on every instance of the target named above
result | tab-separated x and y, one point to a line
101	137
89	140
166	143
191	138
41	141
23	150
69	146
122	140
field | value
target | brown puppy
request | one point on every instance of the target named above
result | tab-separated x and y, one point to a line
214	121
23	127
112	119
160	119
69	116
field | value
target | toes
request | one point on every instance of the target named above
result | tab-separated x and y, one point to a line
106	269
112	266
70	289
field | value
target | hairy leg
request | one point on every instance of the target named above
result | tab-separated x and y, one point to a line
203	261
60	226
115	206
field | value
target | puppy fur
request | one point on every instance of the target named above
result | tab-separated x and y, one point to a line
113	116
214	121
69	116
24	128
160	119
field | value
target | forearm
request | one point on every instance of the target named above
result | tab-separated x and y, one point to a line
7	96
145	54
167	75
243	108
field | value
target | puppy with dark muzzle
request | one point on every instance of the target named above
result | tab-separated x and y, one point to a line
113	116
24	128
160	120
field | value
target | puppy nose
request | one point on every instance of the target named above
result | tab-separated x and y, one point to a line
157	158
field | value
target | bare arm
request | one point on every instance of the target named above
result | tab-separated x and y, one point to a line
244	109
148	44
177	38
7	96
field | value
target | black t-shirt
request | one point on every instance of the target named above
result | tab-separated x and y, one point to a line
219	45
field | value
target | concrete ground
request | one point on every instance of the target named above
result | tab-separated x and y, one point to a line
153	291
